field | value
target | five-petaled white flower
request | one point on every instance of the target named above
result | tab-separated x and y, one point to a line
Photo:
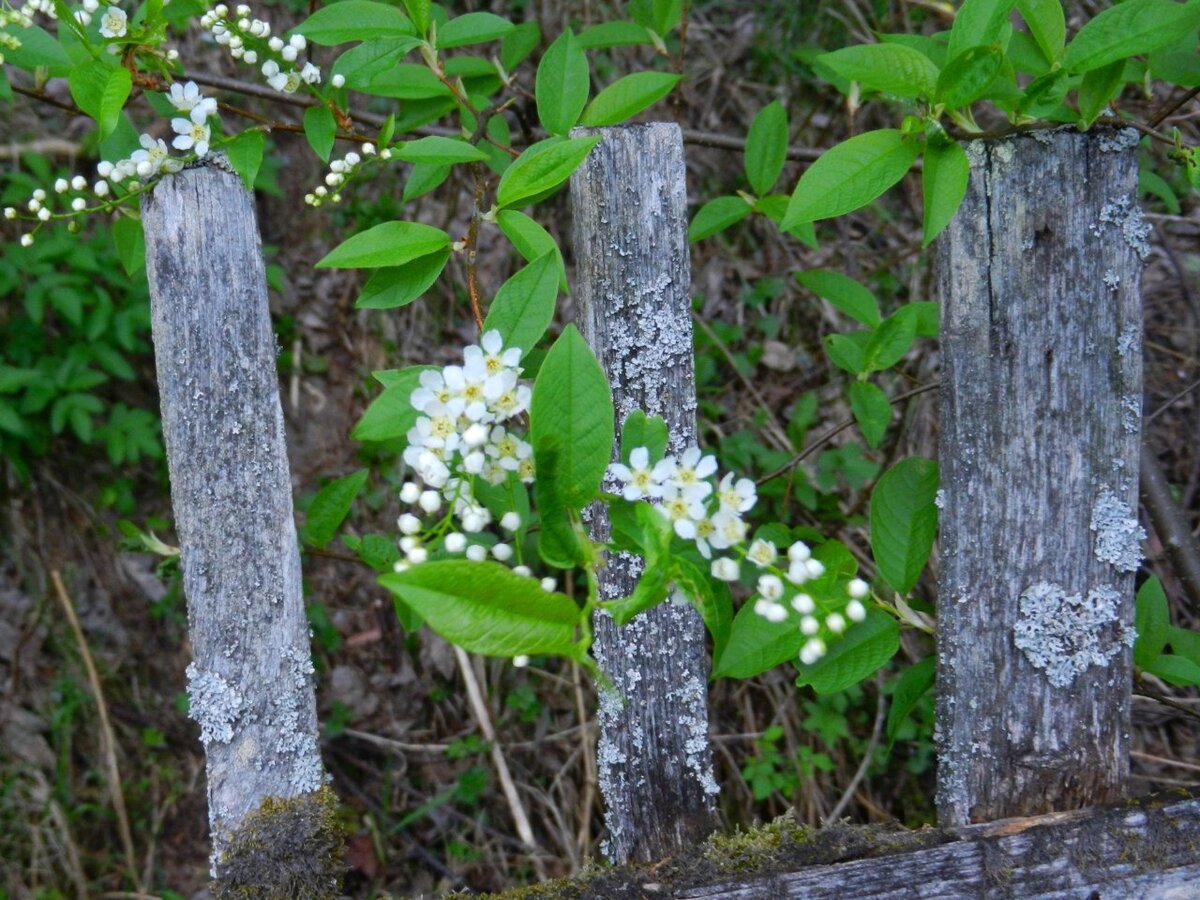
113	22
187	98
192	133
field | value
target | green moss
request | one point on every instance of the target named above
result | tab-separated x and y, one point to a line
749	850
286	850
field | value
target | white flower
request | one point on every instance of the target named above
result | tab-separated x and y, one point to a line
61	186
857	588
338	80
835	622
417	555
691	470
812	651
310	74
771	587
410	492
770	610
400	566
101	188
27	240
477	553
408	524
521	661
472	522
803	604
112	23
104	168
704	531
502	552
523	570
187	98
79	204
298	41
510	521
455	542
192	133
815	568
638	477
729	529
43	214
288	53
430	501
855	611
799	552
798	572
91	5
78	183
270	68
725	569
682	510
762	553
549	585
285	82
475	435
736	497
150	159
809	626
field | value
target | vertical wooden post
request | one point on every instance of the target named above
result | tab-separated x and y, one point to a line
633	291
1041	319
250	682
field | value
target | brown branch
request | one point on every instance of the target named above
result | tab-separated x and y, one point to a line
1170	526
1170	107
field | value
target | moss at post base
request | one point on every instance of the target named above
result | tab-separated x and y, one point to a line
286	850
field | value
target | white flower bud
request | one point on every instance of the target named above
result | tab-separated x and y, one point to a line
857	588
104	168
43	214
408	542
769	610
524	571
799	552
472	522
809	626
835	622
242	10
385	153
145	168
9	212
510	521
250	57
477	553
61	186
549	585
338	80
368	148
353	159
521	661
455	542
400	566
297	41
276	45
803	604
855	611
725	569
78	183
288	53
408	524
39	195
417	555
430	501
244	23
27	240
101	188
502	552
770	586
812	651
815	568
172	55
79	204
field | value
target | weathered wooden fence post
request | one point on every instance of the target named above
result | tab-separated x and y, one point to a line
633	290
1038	276
250	683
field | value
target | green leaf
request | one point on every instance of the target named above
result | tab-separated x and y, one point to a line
559	541
1152	183
1097	88
486	608
717	215
775	207
968	76
562	84
395	286
572	403
943	184
516	46
389	244
1184	643
1177	62
891	68
1151	621
472	28
531	240
1176	670
711	599
653	533
641	430
890	342
844	293
861	652
755	645
331	506
245	153
872	410
1046	23
904	520
360	64
524	306
628	96
541	168
614	34
38	48
101	90
924	314
391	414
130	241
438	151
418	11
766	147
1130	29
408	81
422	179
320	128
850	175
846	350
354	20
912	686
976	23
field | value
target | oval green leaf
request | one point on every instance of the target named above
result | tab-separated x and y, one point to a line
891	68
354	20
438	151
541	168
331	506
1132	28
850	175
717	215
904	520
396	286
943	184
389	244
766	147
524	305
562	84
628	96
847	294
862	651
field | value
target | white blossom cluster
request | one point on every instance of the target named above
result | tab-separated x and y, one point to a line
250	40
19	18
464	431
341	171
192	133
682	490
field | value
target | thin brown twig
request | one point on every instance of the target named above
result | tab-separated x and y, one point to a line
848	794
1170	108
835	431
107	737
